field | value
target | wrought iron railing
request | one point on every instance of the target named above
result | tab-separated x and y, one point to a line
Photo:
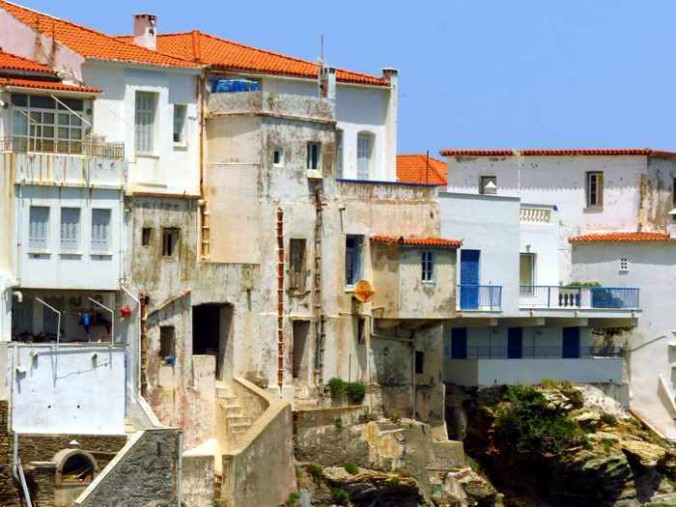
589	297
538	352
479	297
86	148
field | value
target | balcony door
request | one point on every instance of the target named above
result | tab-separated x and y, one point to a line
514	343
459	343
469	279
571	342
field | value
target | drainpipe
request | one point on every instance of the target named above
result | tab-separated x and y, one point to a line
280	299
179	486
143	345
138	317
17	470
413	391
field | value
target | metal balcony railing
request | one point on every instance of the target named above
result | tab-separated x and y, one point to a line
480	297
85	148
539	352
544	296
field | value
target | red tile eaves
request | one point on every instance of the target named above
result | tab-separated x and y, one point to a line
47	85
90	43
13	62
621	237
431	242
234	56
419	168
588	152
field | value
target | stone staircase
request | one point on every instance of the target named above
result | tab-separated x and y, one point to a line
236	422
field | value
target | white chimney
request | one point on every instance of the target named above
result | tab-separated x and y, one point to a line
145	30
327	84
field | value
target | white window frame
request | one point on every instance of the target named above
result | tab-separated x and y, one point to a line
365	149
313	161
594	188
38	231
69	230
101	231
428	265
145	120
180	116
280	162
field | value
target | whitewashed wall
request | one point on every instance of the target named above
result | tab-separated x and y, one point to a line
542	239
77	390
651	268
171	168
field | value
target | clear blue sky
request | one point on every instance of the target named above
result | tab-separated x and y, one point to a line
473	73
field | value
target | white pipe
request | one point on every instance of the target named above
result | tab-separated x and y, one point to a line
138	316
17	471
179	486
58	329
74	112
112	319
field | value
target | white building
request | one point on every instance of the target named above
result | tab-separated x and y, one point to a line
614	212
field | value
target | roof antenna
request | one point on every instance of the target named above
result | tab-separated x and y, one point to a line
427	167
321	50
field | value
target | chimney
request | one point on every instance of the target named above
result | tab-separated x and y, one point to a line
391	124
145	30
327	84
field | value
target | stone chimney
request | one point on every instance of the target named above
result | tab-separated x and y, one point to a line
145	30
327	84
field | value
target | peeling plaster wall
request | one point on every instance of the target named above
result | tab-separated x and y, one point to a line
657	195
650	268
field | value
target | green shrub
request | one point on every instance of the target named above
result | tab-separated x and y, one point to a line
338	423
607	444
549	383
395	416
608	419
525	426
340	496
394	482
337	387
293	499
315	470
356	391
351	468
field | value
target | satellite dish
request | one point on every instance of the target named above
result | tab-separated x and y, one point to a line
363	291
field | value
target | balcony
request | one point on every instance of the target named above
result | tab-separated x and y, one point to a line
80	164
482	298
541	352
578	298
270	104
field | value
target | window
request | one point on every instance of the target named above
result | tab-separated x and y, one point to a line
278	157
38	228
419	362
144	122
527	272
180	112
146	236
167	341
594	189
364	155
673	192
353	246
488	185
170	237
314	151
297	265
624	265
339	153
44	123
427	266
101	230
70	229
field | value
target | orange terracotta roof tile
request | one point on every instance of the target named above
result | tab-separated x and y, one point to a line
222	53
621	237
13	62
433	242
417	168
47	85
588	152
90	43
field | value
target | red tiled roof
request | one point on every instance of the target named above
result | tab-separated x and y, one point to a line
90	43
400	240
13	62
621	237
209	49
588	152
47	85
421	169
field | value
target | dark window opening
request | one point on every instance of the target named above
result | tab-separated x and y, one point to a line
301	360
353	247
167	341
419	361
146	235
313	154
278	157
211	328
170	238
78	468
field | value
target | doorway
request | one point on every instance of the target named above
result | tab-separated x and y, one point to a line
211	330
469	279
571	342
301	353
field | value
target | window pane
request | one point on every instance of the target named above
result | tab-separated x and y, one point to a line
364	149
145	121
19	123
70	229
38	228
100	230
179	122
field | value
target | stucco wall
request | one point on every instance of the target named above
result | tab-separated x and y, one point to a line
650	268
77	389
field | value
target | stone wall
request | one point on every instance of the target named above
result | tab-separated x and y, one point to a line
145	470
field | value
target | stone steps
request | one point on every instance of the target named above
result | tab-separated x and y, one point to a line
237	423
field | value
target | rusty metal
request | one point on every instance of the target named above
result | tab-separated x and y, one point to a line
280	298
144	343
